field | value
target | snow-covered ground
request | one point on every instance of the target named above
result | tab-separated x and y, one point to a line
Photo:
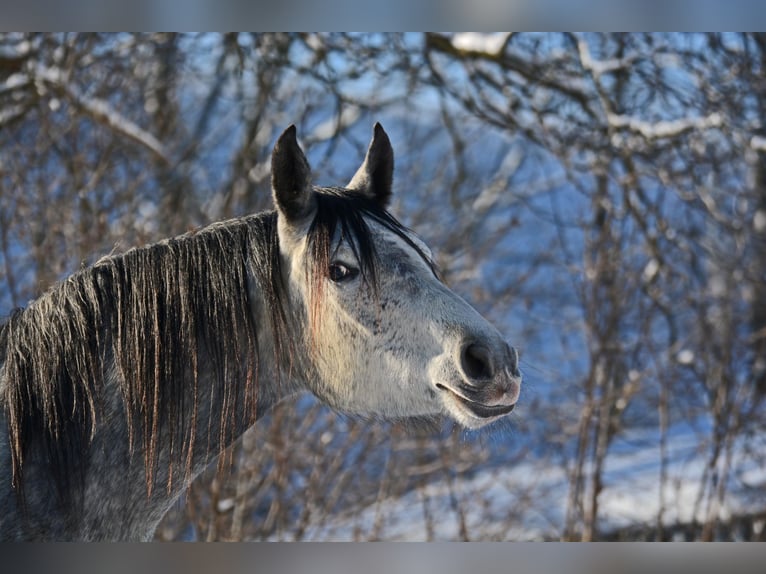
528	501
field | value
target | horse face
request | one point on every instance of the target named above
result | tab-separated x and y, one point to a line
385	336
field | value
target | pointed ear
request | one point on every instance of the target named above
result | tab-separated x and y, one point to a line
291	178
375	175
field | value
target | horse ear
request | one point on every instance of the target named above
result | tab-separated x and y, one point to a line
291	178
376	173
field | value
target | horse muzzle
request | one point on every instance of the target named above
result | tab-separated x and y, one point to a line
489	385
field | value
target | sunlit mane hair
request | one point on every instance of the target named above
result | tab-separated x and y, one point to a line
149	318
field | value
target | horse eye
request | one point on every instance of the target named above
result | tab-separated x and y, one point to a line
339	272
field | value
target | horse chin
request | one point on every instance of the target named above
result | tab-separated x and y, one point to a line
471	414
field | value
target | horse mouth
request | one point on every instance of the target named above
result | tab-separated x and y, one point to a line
479	410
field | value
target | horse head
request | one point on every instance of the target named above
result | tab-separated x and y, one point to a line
384	335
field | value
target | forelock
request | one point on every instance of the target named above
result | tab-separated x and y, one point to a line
346	216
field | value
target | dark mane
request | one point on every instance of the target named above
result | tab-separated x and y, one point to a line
145	315
147	319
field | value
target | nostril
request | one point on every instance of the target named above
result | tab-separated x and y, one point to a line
476	363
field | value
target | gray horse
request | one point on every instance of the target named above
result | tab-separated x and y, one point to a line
121	384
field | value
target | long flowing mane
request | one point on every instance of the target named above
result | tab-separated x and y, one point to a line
147	319
145	315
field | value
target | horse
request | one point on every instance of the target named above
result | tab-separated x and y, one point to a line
122	383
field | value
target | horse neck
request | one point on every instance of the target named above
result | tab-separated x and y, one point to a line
133	469
116	502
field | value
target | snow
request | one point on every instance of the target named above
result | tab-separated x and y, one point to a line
494	504
759	221
649	130
14	81
685	357
101	111
10	113
600	67
651	270
665	128
18	51
758	143
489	494
225	505
477	42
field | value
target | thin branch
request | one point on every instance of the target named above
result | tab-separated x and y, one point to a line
102	112
666	128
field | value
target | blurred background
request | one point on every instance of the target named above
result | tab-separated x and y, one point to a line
601	198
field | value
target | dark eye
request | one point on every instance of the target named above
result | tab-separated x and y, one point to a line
339	272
